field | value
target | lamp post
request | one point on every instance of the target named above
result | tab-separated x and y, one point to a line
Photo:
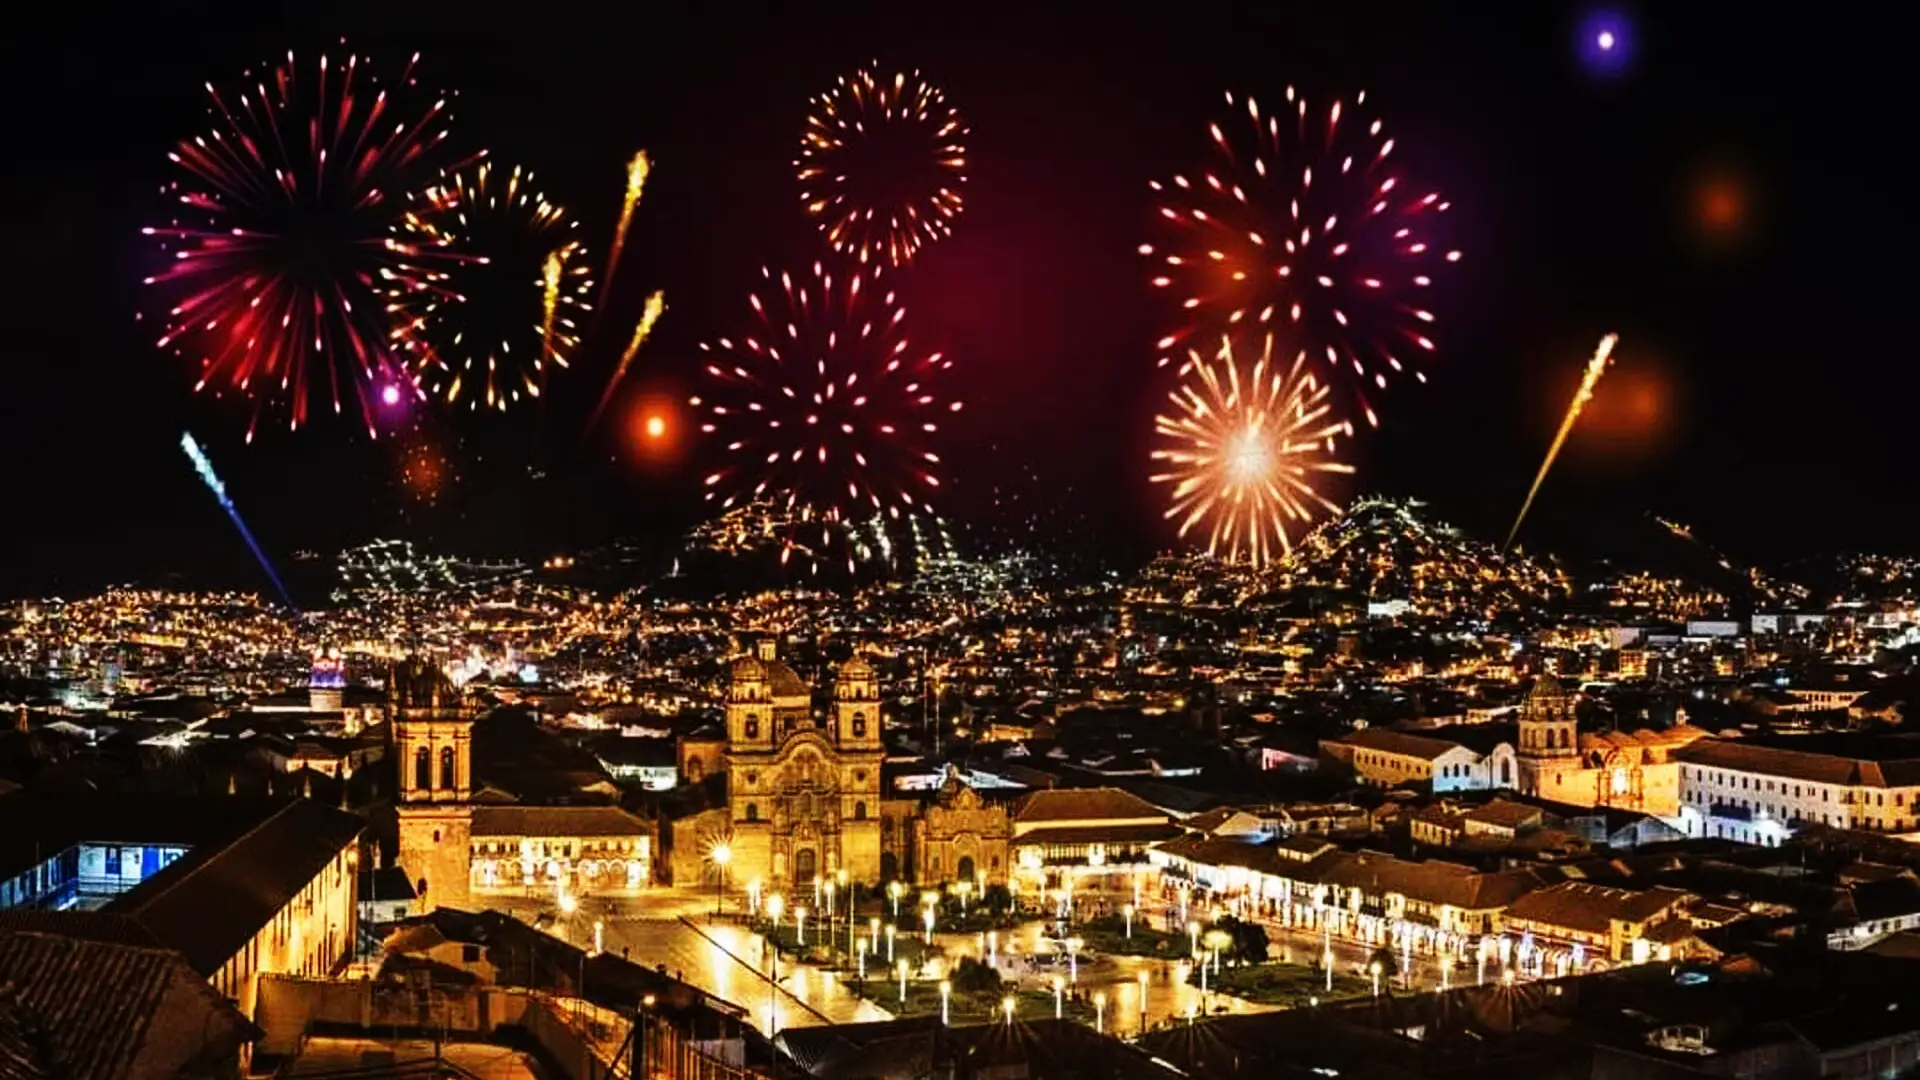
1127	914
599	937
1006	1006
890	935
1143	1002
860	958
894	891
1073	959
1057	987
946	991
926	918
873	937
1100	1011
800	927
993	947
722	854
963	890
828	924
1374	970
1193	935
903	981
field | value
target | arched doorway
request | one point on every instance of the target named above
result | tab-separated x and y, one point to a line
964	870
804	868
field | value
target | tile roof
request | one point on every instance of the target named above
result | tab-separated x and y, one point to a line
1084	804
1579	905
1099	834
1405	744
516	820
86	1010
1819	768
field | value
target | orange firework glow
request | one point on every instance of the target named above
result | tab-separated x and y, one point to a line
881	165
1596	367
1242	449
642	330
637	171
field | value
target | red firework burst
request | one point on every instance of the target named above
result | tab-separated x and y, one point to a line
1305	227
827	408
881	166
279	244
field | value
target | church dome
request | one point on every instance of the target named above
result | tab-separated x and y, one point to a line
856	668
418	684
749	668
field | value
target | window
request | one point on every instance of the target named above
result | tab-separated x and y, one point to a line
436	836
422	770
752	727
860	810
859	725
753	811
446	767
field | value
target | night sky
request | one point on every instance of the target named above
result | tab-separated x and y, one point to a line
1732	205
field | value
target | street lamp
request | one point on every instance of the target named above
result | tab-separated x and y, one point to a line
926	918
1057	987
993	947
890	933
903	980
1193	935
1073	958
1100	1011
894	891
599	937
1374	970
1006	1006
946	991
722	854
1127	914
829	923
860	955
963	890
873	927
1143	1002
800	927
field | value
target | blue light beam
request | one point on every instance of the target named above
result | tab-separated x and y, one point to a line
207	476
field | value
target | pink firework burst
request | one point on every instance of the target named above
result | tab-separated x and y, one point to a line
1305	227
278	248
827	410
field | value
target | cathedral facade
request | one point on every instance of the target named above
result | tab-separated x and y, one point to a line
803	797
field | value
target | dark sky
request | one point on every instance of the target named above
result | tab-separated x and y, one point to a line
1765	375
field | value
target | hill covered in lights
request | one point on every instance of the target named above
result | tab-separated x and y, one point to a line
1389	551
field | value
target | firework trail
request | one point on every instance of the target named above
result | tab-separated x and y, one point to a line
207	476
500	290
642	330
1243	448
637	171
881	165
280	251
826	406
1304	226
1596	367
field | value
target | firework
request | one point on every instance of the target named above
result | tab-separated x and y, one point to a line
881	166
208	477
279	247
637	171
826	408
1596	367
1243	448
496	291
1304	226
642	330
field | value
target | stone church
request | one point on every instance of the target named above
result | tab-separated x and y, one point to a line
805	797
1626	770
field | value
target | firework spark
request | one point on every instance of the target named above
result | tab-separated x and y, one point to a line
827	407
279	247
881	165
1303	225
1243	449
1596	367
642	330
499	289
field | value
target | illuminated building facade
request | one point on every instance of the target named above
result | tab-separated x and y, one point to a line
1627	770
433	755
803	800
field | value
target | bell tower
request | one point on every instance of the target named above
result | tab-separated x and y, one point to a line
433	757
856	707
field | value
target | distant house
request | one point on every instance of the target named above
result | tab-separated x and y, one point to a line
1386	758
386	896
1596	922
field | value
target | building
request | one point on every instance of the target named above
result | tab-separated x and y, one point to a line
433	754
1074	838
71	1007
1592	924
1627	770
958	838
1387	758
803	799
452	848
1759	794
239	887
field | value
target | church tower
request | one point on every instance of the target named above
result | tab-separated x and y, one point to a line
433	756
1549	740
856	707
